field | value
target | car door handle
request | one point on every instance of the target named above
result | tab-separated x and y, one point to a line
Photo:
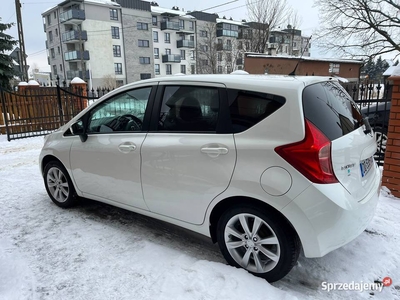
214	151
127	147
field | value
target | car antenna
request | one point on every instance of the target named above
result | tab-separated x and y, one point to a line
293	73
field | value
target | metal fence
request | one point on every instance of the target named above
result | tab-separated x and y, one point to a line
36	111
374	100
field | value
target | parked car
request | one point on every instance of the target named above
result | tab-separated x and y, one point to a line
263	165
378	116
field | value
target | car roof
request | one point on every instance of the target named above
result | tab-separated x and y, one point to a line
277	84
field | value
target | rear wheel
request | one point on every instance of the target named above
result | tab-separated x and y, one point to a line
59	185
261	243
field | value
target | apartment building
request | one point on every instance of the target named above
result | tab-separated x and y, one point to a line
113	42
173	41
84	40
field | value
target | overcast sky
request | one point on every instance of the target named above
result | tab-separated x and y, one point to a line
35	36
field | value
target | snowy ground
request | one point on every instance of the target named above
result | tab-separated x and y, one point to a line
96	251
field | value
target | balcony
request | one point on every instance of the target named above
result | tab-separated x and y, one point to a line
185	44
175	58
229	33
72	16
71	74
74	36
168	25
76	56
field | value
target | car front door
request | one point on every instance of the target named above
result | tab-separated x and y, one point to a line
187	159
107	164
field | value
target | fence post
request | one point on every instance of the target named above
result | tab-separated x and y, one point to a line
80	88
60	109
391	167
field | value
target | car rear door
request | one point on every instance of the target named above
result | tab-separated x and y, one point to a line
328	106
187	159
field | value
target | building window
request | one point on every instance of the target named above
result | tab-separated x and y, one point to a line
118	68
61	68
119	83
181	24
168	69
192	69
229	57
58	50
144	60
56	32
192	55
117	50
229	69
155	36
145	76
203	33
115	32
113	14
55	15
167	51
229	45
51	36
156	53
204	48
48	19
167	37
142	26
183	69
183	54
55	69
53	54
219	56
143	43
334	68
219	69
191	27
240	46
154	20
157	69
204	62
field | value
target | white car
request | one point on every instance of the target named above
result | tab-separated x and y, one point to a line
264	165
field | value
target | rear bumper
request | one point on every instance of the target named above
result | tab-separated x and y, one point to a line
327	217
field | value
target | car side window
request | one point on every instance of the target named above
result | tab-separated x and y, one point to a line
189	108
248	108
121	113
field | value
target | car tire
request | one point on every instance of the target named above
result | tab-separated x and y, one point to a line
262	243
59	185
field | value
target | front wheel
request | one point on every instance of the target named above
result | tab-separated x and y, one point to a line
261	243
59	185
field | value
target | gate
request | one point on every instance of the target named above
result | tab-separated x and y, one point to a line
37	111
374	100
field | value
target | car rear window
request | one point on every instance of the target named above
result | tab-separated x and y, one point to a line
328	106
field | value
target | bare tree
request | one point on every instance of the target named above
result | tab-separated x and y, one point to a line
207	49
109	81
359	28
264	16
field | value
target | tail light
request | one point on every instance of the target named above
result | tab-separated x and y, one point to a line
312	156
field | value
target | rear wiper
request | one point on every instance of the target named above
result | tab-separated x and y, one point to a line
368	128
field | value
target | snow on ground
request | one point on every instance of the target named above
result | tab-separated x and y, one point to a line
96	251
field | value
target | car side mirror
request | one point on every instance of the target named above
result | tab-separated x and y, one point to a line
79	129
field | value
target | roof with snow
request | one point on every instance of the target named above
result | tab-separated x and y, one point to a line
222	20
389	71
170	12
339	60
395	71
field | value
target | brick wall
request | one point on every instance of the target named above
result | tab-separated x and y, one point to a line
391	168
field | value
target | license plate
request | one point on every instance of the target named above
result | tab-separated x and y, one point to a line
366	166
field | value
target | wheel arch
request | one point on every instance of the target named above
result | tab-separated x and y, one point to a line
48	158
227	203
